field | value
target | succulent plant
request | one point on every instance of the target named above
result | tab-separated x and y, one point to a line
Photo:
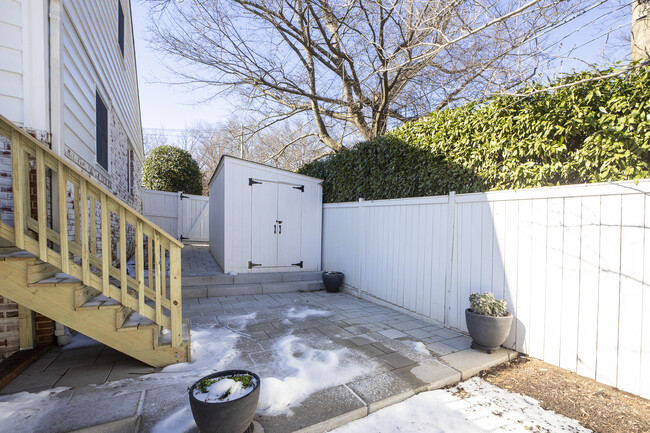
487	305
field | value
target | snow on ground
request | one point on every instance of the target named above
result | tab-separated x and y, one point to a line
418	346
26	405
305	312
292	367
472	406
307	370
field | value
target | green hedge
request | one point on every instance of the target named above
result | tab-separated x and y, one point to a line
591	132
169	168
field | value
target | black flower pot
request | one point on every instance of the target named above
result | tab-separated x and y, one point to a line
235	416
332	281
488	332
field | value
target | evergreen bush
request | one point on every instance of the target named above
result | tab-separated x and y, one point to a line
169	168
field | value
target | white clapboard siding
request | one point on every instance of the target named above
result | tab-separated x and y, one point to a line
573	263
24	94
91	60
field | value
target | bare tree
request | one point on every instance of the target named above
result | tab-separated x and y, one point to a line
356	65
287	145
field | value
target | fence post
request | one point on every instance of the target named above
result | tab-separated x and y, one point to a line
451	227
362	243
179	216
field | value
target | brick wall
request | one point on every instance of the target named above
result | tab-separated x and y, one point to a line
9	337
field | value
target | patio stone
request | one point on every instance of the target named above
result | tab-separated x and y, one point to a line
392	333
161	402
370	350
408	325
439	348
462	342
85	375
120	411
322	411
428	375
381	390
469	362
32	382
376	337
360	341
396	360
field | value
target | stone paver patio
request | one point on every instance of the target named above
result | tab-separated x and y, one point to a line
383	340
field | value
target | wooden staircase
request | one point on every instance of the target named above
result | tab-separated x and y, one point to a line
82	283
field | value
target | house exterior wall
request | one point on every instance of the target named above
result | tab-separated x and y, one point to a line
54	56
24	92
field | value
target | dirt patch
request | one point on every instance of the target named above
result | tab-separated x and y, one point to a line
598	407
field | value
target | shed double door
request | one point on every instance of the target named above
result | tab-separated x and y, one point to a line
277	224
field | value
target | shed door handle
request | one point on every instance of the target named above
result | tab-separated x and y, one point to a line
275	228
280	229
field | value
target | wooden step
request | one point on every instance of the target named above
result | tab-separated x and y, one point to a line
82	308
40	271
101	302
135	322
59	280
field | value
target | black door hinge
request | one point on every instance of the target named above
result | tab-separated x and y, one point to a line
301	188
299	264
184	196
183	237
251	265
252	182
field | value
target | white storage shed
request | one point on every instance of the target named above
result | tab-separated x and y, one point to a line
264	219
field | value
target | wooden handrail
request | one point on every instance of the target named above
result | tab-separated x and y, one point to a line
88	256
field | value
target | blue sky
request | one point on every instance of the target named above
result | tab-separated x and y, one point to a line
166	106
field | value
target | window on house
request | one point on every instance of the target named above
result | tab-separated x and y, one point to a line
120	26
101	131
131	170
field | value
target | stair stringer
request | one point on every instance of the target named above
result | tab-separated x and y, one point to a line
58	303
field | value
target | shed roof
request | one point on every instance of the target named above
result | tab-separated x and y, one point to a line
259	164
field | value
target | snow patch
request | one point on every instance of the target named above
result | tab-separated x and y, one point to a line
418	346
305	312
224	386
307	370
180	421
212	350
17	410
472	406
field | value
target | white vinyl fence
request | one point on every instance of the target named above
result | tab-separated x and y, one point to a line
184	216
572	261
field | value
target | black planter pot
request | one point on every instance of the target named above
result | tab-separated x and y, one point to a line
488	333
332	281
235	416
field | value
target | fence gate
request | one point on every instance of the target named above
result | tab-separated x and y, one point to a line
184	216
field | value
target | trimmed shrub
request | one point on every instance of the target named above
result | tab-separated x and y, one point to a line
591	132
169	168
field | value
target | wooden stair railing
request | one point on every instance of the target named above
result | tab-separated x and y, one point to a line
96	215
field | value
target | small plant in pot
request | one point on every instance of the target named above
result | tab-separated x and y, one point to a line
225	402
332	281
488	322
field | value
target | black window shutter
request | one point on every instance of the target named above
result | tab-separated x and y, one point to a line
120	26
101	133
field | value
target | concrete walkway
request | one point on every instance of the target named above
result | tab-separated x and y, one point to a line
379	337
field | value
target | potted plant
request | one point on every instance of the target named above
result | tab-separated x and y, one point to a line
332	281
225	402
488	322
